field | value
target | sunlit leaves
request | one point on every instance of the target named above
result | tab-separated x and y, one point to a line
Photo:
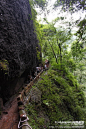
77	50
72	5
54	40
40	3
82	28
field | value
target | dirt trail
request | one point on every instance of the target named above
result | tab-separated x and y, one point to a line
10	117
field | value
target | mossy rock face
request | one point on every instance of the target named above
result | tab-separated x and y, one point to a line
35	94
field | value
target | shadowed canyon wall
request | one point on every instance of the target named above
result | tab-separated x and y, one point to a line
18	44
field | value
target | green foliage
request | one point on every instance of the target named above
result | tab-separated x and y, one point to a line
61	95
81	33
33	11
38	3
38	54
68	4
77	50
53	42
36	119
71	64
32	116
49	30
41	3
4	66
36	27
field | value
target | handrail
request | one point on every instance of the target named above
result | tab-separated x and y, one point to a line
20	100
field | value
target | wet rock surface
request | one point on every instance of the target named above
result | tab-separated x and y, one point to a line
18	43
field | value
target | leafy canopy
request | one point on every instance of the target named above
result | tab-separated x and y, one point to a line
39	3
72	5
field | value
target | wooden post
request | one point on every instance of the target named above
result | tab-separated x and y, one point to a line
19	98
23	115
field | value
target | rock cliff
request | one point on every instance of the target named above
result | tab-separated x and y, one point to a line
18	43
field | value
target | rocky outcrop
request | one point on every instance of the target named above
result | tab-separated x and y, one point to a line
18	43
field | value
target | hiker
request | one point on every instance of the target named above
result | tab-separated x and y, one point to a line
38	69
45	66
47	63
